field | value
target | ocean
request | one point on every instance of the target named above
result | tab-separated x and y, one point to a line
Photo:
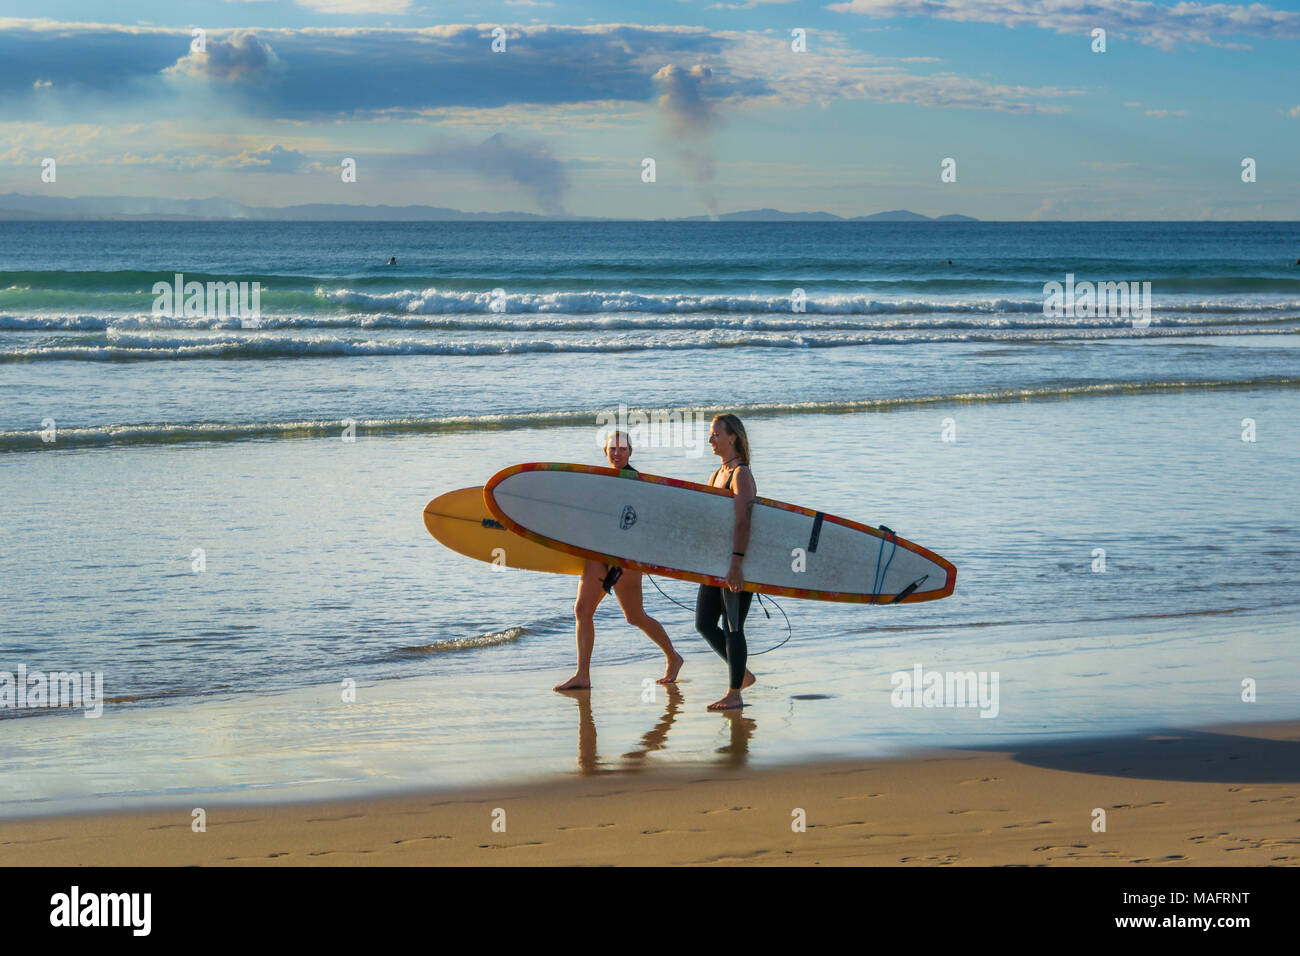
223	515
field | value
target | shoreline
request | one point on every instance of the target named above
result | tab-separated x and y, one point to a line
1223	795
464	731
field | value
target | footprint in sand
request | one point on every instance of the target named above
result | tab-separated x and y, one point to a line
735	856
598	826
840	773
615	793
947	860
836	826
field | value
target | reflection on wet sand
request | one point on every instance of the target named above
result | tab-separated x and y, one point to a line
742	728
656	738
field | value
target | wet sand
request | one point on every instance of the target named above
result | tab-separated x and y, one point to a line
1221	796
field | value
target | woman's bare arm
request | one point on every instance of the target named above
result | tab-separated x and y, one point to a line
744	504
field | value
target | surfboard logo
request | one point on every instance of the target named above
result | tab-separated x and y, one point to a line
629	517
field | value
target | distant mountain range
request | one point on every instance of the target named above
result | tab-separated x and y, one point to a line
15	206
776	215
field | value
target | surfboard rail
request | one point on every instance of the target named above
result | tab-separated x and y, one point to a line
779	591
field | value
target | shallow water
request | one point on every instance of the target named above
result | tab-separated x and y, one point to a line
202	534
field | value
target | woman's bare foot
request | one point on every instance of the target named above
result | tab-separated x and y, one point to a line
674	665
749	679
576	682
731	702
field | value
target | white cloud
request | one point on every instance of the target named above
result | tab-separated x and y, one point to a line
272	159
241	55
1151	23
838	71
752	69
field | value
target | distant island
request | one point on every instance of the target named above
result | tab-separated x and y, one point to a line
16	207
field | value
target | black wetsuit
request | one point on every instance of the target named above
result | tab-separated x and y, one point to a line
612	571
710	606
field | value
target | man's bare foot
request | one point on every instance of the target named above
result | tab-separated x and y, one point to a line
749	679
670	675
731	702
576	682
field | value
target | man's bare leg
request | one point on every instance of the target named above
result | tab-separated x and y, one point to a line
584	610
628	592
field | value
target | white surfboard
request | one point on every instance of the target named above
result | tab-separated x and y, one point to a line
682	529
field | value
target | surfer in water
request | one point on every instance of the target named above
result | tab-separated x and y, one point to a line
729	442
599	579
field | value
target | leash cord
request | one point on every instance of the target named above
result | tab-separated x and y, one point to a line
789	631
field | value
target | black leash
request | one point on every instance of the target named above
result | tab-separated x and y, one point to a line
789	631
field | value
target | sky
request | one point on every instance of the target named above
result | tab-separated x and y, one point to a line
851	108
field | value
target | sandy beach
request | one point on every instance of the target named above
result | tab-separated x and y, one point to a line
1223	796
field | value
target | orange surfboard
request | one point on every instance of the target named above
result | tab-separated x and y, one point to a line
460	520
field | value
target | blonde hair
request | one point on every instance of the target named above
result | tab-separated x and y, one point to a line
737	430
614	436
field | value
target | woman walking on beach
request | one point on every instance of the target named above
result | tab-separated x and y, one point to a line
598	580
729	442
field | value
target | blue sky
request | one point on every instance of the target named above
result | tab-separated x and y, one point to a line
1040	125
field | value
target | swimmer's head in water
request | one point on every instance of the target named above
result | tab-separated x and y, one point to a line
618	448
